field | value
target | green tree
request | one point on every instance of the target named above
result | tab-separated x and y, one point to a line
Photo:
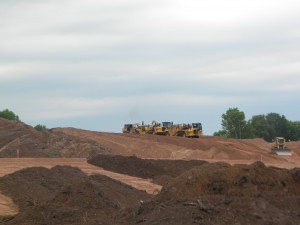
220	133
7	114
259	125
276	126
40	127
233	122
248	131
293	130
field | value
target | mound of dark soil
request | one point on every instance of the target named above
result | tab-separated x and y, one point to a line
221	194
160	171
65	195
32	143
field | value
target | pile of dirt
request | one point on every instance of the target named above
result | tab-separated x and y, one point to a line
217	193
161	171
32	143
221	194
65	195
208	148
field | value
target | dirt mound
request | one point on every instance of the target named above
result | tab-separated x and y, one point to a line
65	195
32	143
221	194
212	149
237	180
158	170
217	194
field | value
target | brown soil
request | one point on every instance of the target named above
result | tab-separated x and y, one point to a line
212	149
220	194
32	143
160	171
65	195
194	192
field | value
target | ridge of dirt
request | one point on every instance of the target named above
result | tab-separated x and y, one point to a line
221	194
65	195
32	143
206	148
160	171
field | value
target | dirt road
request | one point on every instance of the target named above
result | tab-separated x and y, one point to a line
10	165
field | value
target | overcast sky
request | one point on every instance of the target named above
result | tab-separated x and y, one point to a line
96	64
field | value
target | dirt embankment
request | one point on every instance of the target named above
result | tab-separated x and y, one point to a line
65	195
32	143
212	149
221	194
160	171
204	193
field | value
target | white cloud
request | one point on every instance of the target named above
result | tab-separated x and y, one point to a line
98	57
51	108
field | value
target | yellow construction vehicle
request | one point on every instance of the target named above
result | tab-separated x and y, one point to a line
160	128
193	130
130	128
279	147
143	129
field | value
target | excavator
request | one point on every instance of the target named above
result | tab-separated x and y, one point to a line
280	148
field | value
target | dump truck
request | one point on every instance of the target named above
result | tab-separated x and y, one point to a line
160	128
280	148
193	130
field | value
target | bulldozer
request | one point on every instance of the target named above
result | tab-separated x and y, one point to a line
280	148
193	130
160	128
130	128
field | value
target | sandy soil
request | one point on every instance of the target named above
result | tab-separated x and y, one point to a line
208	148
60	145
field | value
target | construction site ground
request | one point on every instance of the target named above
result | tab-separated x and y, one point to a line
143	179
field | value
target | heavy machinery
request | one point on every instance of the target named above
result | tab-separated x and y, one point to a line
130	128
279	147
143	129
193	130
160	128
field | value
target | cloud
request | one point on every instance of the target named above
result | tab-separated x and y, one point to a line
70	59
51	108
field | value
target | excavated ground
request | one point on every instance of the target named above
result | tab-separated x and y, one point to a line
216	193
194	190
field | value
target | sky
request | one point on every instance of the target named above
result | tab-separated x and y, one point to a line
97	65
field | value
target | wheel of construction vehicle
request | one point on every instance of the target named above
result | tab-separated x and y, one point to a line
167	134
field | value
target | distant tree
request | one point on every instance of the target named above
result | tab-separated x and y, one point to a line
233	122
259	126
7	114
40	127
248	131
293	130
220	133
276	126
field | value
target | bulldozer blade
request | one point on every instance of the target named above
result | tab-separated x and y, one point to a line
283	152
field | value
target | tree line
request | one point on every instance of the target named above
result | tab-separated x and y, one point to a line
267	126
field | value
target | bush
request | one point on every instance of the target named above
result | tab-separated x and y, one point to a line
40	127
9	115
